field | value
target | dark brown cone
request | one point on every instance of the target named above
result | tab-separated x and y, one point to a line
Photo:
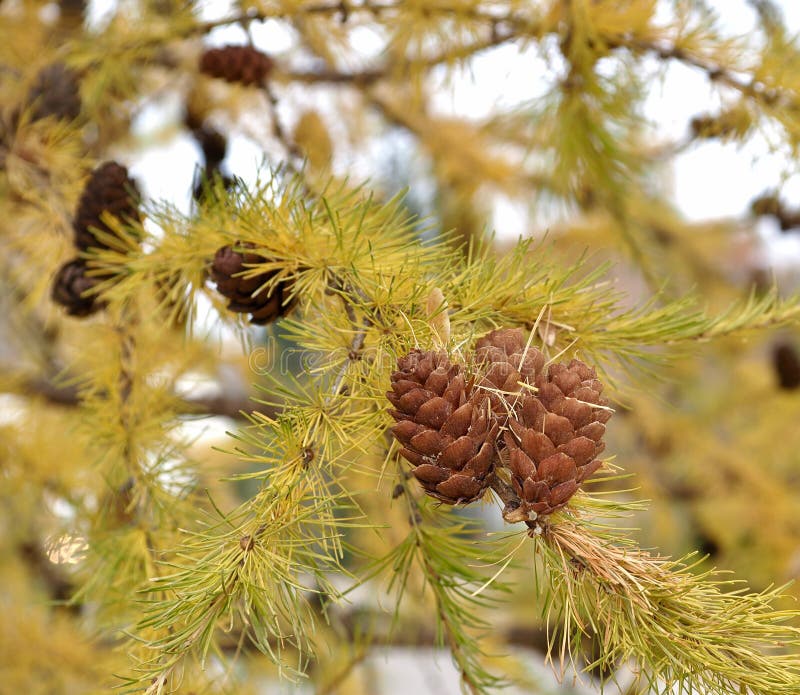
55	92
445	430
69	286
244	294
555	436
506	363
109	189
212	142
205	187
243	64
214	146
786	363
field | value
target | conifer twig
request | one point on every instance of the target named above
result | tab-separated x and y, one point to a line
294	156
681	628
451	595
349	295
689	630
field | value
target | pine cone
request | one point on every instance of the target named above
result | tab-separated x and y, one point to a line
786	363
507	363
205	186
109	189
243	64
556	435
446	430
55	92
263	306
213	144
69	287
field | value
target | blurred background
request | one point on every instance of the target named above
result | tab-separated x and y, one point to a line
659	136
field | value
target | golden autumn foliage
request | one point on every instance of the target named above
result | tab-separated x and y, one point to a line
194	502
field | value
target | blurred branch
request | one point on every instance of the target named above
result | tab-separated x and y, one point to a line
59	588
369	76
66	395
754	89
346	9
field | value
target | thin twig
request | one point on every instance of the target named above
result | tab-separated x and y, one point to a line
347	294
754	89
435	580
294	156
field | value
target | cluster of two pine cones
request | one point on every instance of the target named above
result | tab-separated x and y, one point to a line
543	423
109	191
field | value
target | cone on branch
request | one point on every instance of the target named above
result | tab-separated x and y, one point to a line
213	144
249	294
55	92
553	421
507	363
211	186
214	147
445	427
242	64
786	363
109	190
555	435
70	287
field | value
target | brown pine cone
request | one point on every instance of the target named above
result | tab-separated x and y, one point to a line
109	189
446	429
244	293
506	363
243	64
205	185
214	145
55	92
69	287
786	363
556	435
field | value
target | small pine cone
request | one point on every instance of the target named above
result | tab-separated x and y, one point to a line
213	144
55	92
508	362
69	287
554	439
109	189
206	185
244	294
243	64
786	363
445	432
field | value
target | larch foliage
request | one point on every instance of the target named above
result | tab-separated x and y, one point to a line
260	434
